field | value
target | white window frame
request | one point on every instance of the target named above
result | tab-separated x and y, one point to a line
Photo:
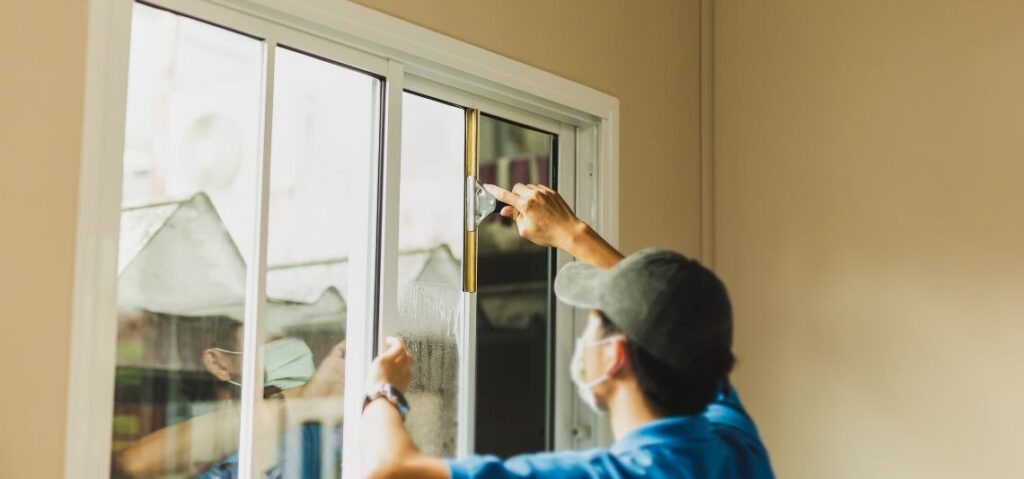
406	55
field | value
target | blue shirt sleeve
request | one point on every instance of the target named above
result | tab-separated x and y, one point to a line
567	465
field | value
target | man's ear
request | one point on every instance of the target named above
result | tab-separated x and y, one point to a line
217	364
619	358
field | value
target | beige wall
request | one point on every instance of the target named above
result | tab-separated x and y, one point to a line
41	88
644	53
870	222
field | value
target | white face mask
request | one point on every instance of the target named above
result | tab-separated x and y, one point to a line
287	363
583	387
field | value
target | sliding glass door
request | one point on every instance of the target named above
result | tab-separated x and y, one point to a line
246	200
188	223
326	131
288	203
430	262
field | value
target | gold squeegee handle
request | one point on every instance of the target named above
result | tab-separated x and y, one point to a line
469	239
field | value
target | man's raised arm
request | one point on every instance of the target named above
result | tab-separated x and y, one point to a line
544	218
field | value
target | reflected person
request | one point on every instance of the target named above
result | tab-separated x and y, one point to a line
205	446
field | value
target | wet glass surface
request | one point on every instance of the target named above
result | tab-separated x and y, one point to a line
430	266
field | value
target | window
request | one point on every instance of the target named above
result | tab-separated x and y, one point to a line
515	306
294	186
187	248
326	131
189	193
430	266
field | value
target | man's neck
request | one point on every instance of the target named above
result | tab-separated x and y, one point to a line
628	411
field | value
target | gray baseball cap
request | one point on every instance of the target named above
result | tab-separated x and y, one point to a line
668	304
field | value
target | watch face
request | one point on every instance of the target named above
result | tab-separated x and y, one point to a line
376	388
392	395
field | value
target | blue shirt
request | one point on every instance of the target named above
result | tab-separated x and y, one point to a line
309	459
721	443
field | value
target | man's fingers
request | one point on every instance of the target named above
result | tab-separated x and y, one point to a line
522	190
396	348
503	195
507	211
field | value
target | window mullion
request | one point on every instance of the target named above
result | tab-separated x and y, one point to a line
562	418
256	298
391	201
373	276
467	342
465	424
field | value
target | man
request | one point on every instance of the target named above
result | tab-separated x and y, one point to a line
655	355
205	446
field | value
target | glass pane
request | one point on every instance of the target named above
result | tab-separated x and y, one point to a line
325	132
190	163
429	265
514	309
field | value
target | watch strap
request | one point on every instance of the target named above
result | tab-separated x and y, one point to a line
392	395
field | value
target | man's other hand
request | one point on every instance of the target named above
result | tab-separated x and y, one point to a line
540	213
394	366
329	378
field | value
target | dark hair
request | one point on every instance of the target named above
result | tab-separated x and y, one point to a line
193	336
673	391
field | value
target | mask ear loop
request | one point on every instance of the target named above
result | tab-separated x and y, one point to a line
228	351
608	375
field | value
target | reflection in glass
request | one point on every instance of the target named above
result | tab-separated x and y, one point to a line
429	265
191	156
325	132
514	314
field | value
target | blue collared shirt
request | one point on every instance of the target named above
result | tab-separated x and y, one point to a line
721	443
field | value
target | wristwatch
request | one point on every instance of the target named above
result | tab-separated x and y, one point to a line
389	393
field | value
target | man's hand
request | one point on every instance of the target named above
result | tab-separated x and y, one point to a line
544	218
394	366
329	378
541	214
386	450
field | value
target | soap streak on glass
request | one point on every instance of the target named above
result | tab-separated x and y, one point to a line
430	318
